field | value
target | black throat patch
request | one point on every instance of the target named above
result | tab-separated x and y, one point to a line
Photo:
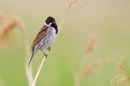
55	26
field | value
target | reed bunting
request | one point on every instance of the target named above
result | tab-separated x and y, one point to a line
45	37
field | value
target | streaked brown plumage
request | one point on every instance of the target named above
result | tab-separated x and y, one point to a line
40	36
45	37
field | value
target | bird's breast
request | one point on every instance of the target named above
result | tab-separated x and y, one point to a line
48	39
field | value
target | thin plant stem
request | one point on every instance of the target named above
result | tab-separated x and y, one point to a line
38	72
64	18
68	12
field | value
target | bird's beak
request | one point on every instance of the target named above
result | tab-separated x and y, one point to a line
54	22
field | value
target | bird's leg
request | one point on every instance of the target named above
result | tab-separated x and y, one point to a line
49	48
45	54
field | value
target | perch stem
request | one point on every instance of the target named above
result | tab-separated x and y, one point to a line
38	72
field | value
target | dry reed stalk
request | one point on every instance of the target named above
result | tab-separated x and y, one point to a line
26	43
29	74
39	69
125	78
69	11
7	24
91	44
89	49
89	70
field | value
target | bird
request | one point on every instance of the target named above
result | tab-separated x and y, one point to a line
45	37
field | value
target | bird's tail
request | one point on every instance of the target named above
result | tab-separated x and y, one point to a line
33	53
30	60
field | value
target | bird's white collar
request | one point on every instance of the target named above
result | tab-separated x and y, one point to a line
47	24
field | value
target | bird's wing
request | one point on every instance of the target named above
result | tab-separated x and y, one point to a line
40	36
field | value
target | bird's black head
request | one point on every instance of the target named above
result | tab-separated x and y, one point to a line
50	20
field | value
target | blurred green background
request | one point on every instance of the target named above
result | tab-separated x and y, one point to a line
107	20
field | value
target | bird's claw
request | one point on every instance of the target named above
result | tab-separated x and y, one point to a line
45	54
49	48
